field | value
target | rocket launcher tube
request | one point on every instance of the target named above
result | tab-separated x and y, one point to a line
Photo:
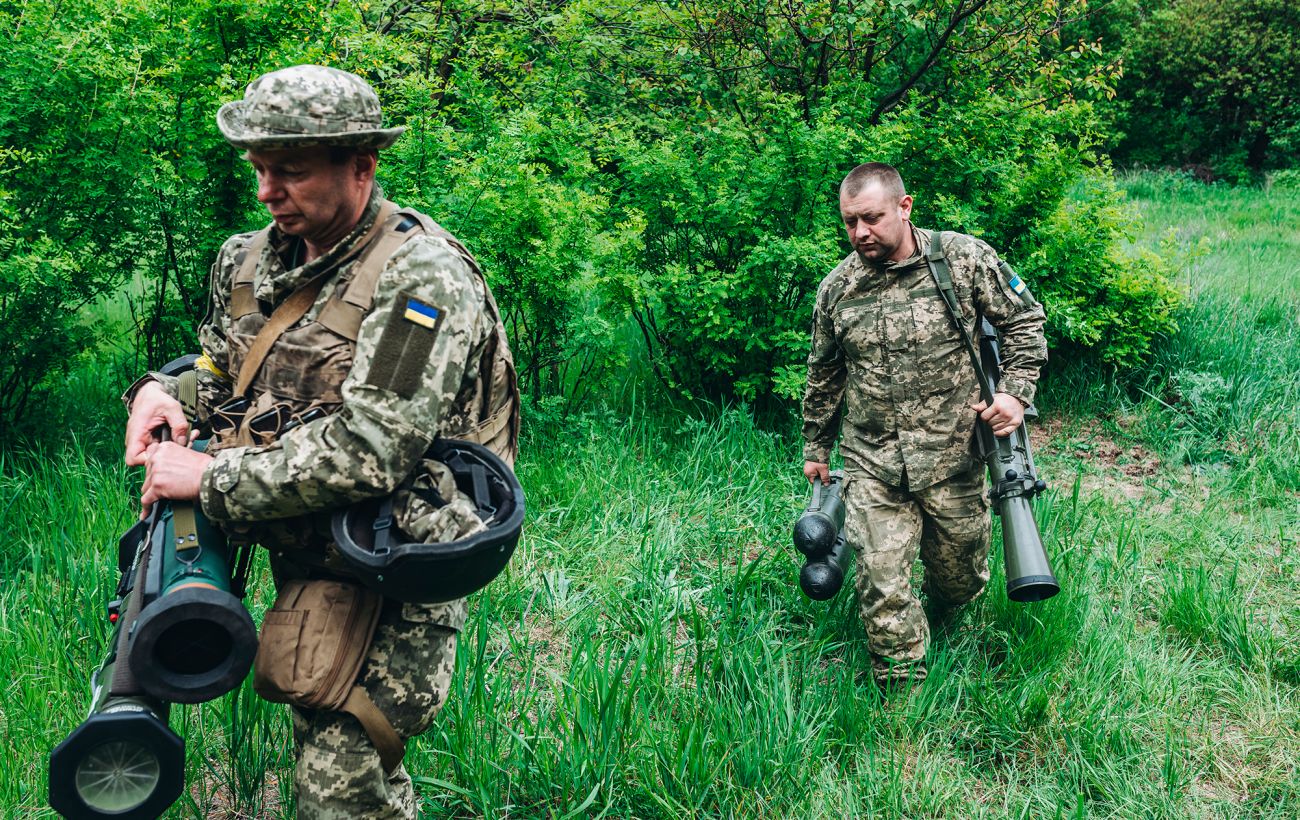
818	535
1010	463
180	636
193	640
123	761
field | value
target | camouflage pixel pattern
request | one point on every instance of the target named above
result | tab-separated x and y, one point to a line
427	523
889	373
373	439
306	105
408	676
947	526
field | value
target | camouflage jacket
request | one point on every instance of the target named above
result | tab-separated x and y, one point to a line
889	372
385	402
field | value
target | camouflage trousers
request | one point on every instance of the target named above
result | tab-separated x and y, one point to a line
407	674
947	526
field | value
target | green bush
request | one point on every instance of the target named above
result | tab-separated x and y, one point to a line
1103	302
546	245
618	169
1208	83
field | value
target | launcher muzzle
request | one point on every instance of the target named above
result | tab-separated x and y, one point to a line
182	636
818	535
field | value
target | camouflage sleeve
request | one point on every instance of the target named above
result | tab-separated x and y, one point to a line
1006	302
215	379
410	359
823	396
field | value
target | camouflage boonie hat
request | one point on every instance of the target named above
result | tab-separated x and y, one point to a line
306	105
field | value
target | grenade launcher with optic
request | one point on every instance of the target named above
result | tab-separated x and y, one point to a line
181	636
818	535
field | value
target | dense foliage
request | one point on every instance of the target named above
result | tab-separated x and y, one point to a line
1213	85
656	175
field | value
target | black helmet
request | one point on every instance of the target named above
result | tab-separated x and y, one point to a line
377	552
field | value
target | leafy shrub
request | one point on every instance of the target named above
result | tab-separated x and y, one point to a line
1103	302
676	165
1209	82
737	234
546	247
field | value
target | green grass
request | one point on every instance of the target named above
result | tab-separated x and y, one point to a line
649	654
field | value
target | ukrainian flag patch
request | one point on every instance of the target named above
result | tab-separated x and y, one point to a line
422	314
1017	285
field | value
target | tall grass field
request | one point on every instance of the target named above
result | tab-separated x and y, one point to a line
648	653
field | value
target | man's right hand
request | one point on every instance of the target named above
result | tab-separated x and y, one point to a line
814	470
151	408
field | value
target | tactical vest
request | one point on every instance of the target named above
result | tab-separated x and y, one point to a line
307	364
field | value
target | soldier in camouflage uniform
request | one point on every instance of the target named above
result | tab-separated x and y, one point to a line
400	342
889	372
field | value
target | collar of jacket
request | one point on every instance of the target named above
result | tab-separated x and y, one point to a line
274	282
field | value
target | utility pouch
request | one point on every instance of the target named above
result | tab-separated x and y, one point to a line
314	642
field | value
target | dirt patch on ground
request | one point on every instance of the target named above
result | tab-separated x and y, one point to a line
1112	461
221	804
550	645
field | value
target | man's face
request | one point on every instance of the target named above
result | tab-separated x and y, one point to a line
309	196
877	223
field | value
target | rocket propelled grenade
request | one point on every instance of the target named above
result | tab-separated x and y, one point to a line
181	635
818	534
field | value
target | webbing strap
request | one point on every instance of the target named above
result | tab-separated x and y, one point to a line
387	742
938	264
242	300
344	313
187	392
184	526
124	682
361	291
297	305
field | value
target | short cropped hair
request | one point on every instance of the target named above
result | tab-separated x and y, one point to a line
869	172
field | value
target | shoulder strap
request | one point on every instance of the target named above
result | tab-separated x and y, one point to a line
937	261
343	313
242	301
296	306
387	741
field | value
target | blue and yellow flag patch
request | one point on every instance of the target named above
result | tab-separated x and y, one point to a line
422	314
1017	285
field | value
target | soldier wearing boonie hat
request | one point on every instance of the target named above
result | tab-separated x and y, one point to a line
306	105
340	341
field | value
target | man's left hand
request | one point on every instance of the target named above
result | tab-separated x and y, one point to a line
1004	416
171	471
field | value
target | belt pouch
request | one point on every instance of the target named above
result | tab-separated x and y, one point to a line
314	641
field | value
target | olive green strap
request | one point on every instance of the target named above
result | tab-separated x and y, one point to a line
184	526
387	742
124	682
187	393
938	264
